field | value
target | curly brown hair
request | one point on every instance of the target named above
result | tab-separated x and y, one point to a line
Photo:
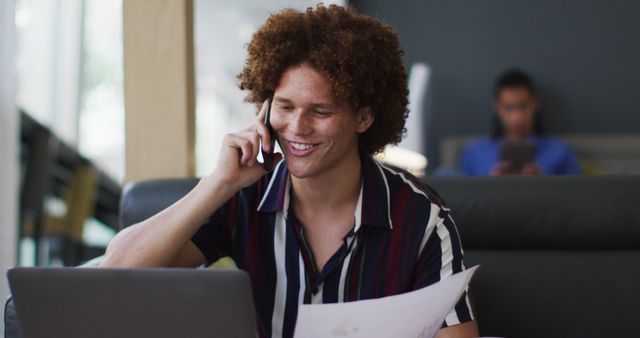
359	55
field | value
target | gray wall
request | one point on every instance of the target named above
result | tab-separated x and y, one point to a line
584	56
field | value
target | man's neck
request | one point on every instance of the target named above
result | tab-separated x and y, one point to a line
337	187
517	138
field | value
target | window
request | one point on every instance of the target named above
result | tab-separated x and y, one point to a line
101	119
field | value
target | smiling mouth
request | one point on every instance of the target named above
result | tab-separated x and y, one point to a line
301	149
301	146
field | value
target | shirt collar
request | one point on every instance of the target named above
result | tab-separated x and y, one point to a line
373	207
274	197
376	198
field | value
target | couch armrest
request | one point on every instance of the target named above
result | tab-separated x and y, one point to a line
11	325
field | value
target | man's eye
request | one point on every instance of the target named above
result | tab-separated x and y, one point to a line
323	113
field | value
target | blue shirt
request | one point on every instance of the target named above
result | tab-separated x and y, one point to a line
552	155
402	239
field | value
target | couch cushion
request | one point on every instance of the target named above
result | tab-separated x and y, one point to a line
556	293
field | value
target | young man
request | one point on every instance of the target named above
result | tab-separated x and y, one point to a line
517	119
329	223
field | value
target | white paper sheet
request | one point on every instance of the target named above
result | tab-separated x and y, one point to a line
418	313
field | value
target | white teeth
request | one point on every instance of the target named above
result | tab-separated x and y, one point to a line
301	146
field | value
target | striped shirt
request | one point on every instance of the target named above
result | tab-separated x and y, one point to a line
403	238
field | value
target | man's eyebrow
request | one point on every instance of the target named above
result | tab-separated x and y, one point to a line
285	100
323	106
281	99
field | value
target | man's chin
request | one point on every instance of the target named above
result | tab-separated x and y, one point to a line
301	171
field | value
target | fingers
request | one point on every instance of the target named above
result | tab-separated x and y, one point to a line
501	168
248	143
260	170
262	130
263	111
254	140
531	169
504	164
241	144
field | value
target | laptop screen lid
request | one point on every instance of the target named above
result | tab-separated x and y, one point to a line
144	303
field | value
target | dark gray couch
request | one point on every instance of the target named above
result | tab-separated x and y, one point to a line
560	256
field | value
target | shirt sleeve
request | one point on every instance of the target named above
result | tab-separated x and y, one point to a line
441	257
571	164
465	162
214	237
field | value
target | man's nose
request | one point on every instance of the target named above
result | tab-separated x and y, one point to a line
519	118
300	124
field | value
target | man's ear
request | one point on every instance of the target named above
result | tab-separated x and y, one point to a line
365	119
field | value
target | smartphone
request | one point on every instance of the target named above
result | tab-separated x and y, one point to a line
268	158
517	154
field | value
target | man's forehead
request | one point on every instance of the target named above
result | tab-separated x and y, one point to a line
318	104
303	76
515	93
304	85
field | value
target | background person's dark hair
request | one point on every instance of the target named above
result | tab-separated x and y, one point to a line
514	78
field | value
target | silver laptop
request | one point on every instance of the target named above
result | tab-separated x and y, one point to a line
142	303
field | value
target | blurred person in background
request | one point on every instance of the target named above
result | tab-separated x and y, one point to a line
518	145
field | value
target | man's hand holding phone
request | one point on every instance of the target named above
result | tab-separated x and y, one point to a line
266	151
237	164
516	158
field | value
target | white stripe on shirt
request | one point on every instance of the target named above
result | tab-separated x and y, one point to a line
279	243
279	246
